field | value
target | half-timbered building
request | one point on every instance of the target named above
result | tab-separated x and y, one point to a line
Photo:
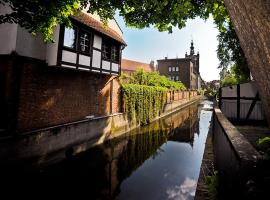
48	84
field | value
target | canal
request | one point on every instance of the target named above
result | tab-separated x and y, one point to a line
159	161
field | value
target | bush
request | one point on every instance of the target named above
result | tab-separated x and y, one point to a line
263	144
141	77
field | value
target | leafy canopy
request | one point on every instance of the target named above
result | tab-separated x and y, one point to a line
43	15
40	16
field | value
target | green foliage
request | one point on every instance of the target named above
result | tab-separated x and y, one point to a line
230	53
233	77
212	183
41	16
151	79
201	91
263	145
143	103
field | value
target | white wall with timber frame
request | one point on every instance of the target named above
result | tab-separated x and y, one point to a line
241	102
62	56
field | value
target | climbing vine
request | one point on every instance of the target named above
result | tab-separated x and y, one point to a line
143	103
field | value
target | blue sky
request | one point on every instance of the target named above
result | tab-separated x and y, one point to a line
149	44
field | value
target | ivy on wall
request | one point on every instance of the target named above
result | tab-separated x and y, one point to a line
143	103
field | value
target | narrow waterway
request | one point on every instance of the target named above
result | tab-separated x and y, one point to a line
159	161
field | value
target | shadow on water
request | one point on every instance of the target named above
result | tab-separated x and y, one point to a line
158	161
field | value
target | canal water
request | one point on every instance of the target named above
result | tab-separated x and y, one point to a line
159	161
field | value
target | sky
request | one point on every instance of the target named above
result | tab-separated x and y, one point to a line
148	44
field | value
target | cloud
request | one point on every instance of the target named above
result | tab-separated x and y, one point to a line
185	191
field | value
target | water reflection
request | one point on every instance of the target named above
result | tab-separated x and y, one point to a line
158	161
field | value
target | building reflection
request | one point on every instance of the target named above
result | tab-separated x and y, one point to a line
106	166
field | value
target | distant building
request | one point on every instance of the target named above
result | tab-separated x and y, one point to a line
186	70
130	66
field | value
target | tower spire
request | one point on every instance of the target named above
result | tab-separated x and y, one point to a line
191	48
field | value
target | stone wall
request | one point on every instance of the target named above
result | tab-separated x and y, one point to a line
236	159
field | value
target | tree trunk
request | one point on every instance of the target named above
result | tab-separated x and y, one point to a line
251	20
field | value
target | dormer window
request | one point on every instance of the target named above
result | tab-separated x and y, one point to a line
70	38
84	48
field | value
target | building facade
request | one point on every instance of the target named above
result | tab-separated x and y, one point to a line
130	66
186	70
44	85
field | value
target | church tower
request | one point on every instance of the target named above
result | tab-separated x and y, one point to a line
194	58
191	49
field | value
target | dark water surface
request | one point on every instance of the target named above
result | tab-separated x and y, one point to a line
159	161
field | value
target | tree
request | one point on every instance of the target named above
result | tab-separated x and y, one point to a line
249	18
231	55
43	15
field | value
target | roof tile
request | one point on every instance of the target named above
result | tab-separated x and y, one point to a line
97	25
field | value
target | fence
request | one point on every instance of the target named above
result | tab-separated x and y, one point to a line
241	102
175	95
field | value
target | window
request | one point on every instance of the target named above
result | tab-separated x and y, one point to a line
115	53
173	69
177	69
106	50
177	78
70	38
170	69
84	41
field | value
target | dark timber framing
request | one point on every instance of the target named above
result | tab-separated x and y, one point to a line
92	32
238	99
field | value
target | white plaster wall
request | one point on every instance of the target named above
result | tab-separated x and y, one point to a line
29	45
105	65
84	60
8	33
52	48
230	91
96	59
115	67
68	56
8	38
248	90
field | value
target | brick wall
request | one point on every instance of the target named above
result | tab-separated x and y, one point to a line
180	95
184	72
50	96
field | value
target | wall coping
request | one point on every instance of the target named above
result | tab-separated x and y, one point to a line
241	146
28	133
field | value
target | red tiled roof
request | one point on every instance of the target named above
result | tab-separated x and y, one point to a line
131	65
97	25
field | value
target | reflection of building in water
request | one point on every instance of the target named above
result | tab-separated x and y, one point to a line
184	125
125	156
106	166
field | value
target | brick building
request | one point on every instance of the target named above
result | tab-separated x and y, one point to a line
130	66
43	85
186	70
